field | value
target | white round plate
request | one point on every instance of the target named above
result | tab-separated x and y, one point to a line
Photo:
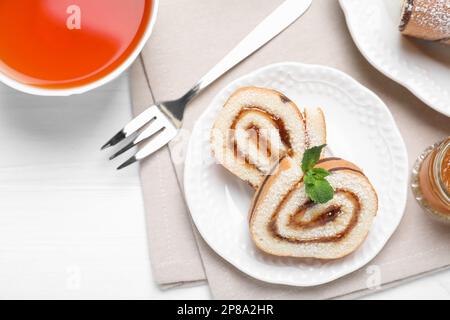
360	129
420	66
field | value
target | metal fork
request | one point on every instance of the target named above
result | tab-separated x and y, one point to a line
160	123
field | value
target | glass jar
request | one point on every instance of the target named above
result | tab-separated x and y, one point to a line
431	180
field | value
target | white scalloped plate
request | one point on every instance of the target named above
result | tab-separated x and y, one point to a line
360	129
420	66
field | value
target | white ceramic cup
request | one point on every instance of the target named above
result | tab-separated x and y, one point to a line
95	84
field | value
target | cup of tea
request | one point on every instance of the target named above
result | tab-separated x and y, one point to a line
65	47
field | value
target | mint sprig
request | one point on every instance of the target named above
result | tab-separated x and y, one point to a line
317	187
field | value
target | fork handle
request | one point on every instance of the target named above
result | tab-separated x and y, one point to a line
277	21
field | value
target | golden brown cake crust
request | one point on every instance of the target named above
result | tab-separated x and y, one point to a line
426	19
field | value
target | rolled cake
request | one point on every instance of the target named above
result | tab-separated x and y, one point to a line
258	127
284	222
426	19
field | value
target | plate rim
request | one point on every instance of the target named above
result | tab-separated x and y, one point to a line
360	86
411	88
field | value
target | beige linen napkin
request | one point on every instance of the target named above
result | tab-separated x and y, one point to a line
173	251
189	38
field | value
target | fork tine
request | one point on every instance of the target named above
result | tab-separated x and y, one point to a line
156	142
133	126
154	127
114	140
127	163
123	150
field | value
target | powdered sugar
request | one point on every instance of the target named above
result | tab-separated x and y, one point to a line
432	14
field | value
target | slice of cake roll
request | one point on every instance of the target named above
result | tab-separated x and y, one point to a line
426	19
258	127
285	222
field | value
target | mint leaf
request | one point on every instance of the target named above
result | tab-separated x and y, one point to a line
319	173
317	187
310	157
320	191
309	178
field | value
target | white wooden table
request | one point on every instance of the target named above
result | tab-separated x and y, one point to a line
71	227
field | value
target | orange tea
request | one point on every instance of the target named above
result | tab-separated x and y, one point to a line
68	43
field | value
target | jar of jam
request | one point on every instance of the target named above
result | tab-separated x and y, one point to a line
431	180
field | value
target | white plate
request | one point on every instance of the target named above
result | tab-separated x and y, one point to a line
360	129
420	66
